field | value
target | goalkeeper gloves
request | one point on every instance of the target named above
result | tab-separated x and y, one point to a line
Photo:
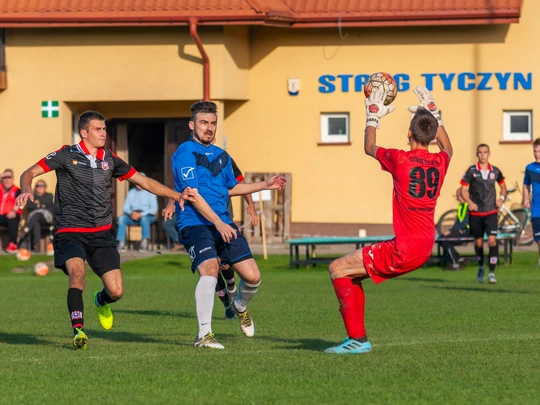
375	108
426	101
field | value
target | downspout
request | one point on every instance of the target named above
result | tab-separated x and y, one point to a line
206	62
3	69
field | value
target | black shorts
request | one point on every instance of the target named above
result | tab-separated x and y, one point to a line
97	248
204	242
481	225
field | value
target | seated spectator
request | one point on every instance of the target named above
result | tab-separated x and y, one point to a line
10	214
170	226
458	230
140	208
40	214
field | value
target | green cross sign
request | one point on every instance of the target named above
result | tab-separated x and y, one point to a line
49	109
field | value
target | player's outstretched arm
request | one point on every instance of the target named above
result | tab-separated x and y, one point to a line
370	142
227	232
276	182
443	141
375	110
428	102
26	185
159	189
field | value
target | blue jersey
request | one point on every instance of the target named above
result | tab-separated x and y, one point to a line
532	178
208	169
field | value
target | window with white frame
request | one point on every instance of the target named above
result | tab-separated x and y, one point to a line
335	127
517	126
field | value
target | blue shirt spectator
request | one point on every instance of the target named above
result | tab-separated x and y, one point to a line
140	200
140	208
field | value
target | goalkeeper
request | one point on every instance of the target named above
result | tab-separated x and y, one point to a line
418	176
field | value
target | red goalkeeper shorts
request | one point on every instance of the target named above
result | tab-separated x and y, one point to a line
383	261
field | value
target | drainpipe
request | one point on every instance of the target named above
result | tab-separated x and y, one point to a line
3	69
206	62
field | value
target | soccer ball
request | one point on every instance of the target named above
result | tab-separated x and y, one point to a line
23	255
381	81
41	269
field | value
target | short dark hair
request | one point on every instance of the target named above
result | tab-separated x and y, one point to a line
202	107
86	117
9	171
482	145
423	127
536	142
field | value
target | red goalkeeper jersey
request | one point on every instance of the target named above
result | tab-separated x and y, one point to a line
418	178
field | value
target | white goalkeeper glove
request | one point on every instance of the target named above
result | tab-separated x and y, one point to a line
426	101
375	108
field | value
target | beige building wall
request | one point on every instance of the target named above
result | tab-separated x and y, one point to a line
157	72
340	184
124	73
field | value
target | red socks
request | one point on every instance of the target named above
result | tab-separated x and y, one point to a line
351	305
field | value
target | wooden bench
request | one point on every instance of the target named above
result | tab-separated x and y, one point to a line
507	240
311	243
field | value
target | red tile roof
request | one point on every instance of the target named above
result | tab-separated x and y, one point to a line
295	13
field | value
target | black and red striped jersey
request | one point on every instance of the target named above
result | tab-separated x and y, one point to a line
83	188
482	188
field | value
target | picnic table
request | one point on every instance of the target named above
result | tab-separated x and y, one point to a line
310	244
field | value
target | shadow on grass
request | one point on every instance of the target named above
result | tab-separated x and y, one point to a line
152	312
480	289
316	345
22	339
122	337
429	280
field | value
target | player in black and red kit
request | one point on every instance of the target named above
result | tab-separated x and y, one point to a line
478	190
83	225
418	177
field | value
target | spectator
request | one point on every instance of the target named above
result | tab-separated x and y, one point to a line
140	208
169	225
40	214
460	229
10	214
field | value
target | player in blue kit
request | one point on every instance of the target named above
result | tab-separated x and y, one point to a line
204	227
531	185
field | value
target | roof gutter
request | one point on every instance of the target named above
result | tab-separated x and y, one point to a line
206	61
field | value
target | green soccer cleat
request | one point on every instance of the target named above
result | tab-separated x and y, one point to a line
80	340
105	315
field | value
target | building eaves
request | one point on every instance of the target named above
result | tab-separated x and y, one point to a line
293	13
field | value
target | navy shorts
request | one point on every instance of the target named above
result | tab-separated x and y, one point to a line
536	228
204	242
97	248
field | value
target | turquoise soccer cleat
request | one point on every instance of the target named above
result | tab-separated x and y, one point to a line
350	346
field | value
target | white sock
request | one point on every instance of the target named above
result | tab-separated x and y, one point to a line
204	302
245	294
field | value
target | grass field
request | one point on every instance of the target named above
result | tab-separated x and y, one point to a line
438	337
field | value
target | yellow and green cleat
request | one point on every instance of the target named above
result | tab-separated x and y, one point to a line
105	315
80	340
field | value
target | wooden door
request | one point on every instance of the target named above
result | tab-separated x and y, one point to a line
176	132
